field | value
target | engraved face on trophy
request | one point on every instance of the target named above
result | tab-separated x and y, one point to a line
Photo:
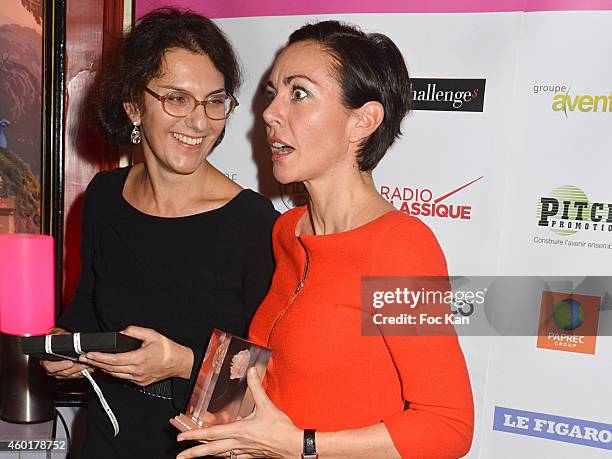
240	364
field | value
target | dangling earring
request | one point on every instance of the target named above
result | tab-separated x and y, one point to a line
135	136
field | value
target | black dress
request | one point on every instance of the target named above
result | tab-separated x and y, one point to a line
180	276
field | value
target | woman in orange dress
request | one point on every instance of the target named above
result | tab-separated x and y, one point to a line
337	97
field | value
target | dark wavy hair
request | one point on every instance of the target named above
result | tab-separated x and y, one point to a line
368	67
139	59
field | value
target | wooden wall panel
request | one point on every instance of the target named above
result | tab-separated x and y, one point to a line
93	28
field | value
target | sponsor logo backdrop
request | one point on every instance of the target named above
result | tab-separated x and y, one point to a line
512	106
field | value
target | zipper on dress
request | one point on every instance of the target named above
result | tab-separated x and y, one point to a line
293	295
302	280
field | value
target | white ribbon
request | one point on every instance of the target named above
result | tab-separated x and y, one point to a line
49	350
105	405
76	342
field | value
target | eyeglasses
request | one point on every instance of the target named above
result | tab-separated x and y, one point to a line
180	104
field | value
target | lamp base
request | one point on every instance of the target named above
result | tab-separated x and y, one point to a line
26	392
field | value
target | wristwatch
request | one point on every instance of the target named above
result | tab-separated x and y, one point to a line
310	448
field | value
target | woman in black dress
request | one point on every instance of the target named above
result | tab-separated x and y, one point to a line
171	247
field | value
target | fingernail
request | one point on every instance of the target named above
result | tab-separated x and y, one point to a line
83	358
180	457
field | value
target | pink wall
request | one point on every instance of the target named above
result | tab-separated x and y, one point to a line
232	9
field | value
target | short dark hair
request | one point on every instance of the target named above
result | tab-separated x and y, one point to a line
369	67
139	59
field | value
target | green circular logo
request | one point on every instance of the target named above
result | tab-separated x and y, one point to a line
567	195
568	314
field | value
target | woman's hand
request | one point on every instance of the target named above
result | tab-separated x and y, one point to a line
158	358
63	369
268	432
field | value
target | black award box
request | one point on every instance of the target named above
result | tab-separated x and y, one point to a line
64	345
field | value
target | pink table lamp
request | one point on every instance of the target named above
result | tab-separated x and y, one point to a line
27	307
27	299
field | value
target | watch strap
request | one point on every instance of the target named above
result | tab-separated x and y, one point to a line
310	447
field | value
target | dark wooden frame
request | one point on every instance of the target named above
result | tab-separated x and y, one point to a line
52	163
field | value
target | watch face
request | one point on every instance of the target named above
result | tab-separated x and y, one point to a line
310	449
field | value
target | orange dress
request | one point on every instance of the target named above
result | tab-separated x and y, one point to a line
325	375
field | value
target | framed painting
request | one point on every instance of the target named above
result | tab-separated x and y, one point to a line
31	113
21	96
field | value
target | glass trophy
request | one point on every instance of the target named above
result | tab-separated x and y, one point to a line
221	394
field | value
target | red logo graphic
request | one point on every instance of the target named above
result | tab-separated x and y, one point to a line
420	202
